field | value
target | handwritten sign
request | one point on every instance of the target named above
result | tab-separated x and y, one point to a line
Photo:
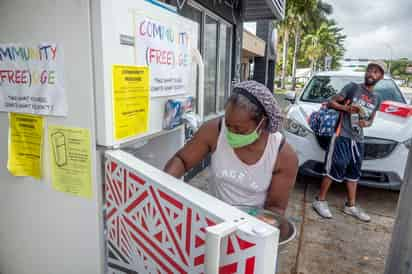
165	48
31	79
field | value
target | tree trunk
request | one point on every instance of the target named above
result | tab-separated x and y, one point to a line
285	58
295	56
312	67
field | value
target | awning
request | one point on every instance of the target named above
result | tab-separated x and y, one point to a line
254	10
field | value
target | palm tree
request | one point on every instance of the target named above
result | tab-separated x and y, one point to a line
316	43
307	11
325	41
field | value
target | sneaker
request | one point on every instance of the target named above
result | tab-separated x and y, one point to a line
356	212
322	208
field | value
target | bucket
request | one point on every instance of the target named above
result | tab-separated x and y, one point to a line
287	229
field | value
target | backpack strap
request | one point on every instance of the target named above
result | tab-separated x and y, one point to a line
348	101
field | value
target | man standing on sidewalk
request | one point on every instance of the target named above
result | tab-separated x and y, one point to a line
357	104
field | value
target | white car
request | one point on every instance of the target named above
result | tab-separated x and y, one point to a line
387	142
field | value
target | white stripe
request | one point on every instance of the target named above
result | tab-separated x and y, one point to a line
330	154
333	178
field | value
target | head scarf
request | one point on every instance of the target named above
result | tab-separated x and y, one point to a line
267	100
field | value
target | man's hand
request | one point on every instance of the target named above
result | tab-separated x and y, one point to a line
352	109
364	123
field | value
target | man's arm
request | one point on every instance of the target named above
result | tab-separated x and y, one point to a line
283	180
194	151
338	101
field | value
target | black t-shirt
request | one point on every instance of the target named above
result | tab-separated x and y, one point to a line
367	101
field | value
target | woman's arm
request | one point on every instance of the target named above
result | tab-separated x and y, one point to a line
283	180
203	142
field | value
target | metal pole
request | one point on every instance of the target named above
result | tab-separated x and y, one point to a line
390	58
399	259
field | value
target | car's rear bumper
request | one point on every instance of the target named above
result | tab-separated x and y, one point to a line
371	178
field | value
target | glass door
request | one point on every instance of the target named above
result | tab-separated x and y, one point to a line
210	59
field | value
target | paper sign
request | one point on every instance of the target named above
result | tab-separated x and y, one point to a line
164	46
31	79
131	100
70	160
25	145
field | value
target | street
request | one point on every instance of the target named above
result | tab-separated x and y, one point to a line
340	245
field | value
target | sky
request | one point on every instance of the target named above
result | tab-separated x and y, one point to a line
375	28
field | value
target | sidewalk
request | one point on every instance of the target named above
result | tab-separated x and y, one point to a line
341	245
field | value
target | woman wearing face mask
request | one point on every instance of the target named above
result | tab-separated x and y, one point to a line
251	162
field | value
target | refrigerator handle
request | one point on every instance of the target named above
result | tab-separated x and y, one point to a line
197	59
214	235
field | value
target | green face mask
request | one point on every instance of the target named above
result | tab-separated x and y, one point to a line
240	140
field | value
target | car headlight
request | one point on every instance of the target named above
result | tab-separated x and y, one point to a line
408	143
294	127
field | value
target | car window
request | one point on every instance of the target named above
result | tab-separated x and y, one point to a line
321	88
388	91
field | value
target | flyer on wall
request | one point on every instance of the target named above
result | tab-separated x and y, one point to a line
31	79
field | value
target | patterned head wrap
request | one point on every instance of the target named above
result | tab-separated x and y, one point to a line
255	91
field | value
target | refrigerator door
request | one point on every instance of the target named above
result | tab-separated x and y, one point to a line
158	224
141	33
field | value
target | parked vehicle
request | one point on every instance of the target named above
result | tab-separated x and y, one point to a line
387	142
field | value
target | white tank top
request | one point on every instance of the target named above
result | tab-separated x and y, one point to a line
237	183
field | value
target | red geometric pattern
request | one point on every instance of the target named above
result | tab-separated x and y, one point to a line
151	230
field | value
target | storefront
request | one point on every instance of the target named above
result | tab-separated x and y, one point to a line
221	41
252	47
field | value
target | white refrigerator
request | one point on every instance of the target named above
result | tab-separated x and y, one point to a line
139	219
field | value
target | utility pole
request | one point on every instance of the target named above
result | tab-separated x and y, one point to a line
390	58
399	259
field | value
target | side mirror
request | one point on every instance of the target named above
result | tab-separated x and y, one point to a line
290	96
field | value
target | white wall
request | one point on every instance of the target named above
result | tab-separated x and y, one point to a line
43	231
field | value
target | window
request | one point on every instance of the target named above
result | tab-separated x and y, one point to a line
321	88
225	54
215	44
210	60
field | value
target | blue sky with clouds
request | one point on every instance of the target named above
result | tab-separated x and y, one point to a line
375	27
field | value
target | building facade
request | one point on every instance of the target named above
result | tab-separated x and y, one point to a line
221	40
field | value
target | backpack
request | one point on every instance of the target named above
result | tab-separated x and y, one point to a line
324	122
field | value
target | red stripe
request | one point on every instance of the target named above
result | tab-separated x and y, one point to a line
171	200
113	166
111	193
137	201
250	265
188	229
154	245
124	186
168	225
137	179
115	193
228	269
150	253
199	260
113	211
